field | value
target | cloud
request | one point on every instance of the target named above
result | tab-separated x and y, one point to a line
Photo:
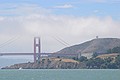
94	1
105	1
65	6
98	1
96	11
21	9
40	22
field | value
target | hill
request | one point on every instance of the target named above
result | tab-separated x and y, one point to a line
100	45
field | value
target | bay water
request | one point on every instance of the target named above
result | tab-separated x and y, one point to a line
60	74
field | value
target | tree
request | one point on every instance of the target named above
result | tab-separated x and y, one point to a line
83	58
109	51
95	55
108	60
74	58
94	63
58	56
117	61
114	50
112	66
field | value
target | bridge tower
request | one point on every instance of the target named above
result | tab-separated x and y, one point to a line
37	49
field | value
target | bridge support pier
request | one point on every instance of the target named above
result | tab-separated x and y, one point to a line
37	47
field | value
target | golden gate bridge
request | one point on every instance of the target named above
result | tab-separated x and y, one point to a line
37	54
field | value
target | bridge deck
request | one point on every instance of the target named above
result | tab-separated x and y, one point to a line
3	54
8	54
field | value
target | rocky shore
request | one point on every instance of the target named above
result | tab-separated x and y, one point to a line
53	63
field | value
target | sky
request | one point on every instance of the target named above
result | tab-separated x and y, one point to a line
59	23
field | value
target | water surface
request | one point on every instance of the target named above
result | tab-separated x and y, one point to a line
60	74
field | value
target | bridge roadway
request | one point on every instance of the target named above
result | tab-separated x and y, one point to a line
8	54
49	54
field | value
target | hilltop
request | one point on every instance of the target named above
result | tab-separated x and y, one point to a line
96	45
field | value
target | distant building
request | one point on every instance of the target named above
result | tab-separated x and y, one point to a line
97	37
